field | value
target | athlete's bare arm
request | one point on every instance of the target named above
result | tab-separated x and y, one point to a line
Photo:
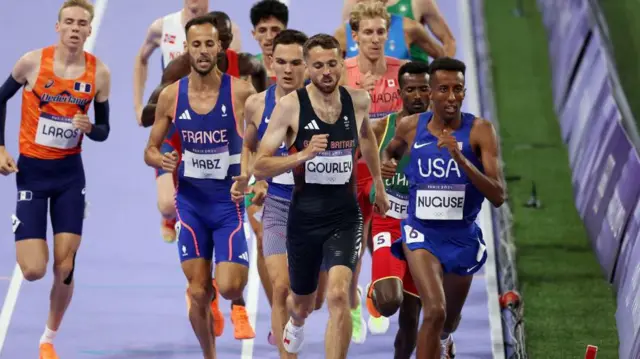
175	70
432	17
242	90
151	42
249	65
346	9
24	73
164	116
103	82
416	34
236	43
399	145
367	139
283	127
341	36
483	137
378	128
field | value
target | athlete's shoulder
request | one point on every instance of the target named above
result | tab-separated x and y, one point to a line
256	101
407	123
168	94
482	124
394	61
101	68
242	88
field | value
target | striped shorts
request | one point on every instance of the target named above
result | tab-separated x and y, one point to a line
274	225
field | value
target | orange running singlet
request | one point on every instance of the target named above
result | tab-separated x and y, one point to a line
46	130
385	98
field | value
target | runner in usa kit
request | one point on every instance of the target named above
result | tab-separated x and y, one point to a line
322	124
212	175
390	275
453	166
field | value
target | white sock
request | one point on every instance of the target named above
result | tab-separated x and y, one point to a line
294	327
48	336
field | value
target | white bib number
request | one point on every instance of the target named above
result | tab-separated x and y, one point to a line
284	178
329	168
57	132
214	165
440	202
398	205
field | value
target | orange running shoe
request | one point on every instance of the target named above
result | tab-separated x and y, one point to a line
47	351
371	307
241	327
168	230
218	317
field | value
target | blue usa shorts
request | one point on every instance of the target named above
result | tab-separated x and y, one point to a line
54	186
461	251
203	229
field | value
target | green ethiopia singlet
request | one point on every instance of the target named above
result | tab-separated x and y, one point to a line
403	8
397	187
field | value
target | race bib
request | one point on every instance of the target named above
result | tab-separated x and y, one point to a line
440	202
398	205
329	168
57	132
210	165
284	178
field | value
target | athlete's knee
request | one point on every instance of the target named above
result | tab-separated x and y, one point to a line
388	296
280	291
231	285
200	294
337	297
63	269
33	271
434	314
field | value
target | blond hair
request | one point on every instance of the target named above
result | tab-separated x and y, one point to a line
77	3
368	10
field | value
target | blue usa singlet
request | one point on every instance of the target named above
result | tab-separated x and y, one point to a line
443	203
396	45
208	219
280	185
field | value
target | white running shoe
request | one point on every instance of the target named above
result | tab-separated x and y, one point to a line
292	338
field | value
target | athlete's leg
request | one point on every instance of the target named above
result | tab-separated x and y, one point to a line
262	266
195	247
341	255
385	294
321	292
274	224
304	259
426	271
359	333
232	262
408	321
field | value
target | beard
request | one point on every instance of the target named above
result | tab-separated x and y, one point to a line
325	87
203	71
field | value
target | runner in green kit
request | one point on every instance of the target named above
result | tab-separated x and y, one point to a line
423	11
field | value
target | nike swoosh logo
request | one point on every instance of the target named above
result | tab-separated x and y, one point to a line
266	120
416	145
